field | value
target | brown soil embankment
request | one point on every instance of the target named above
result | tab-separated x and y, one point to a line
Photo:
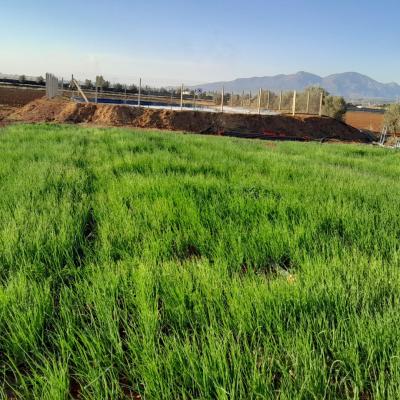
281	127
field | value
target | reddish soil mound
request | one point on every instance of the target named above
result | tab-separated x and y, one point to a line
41	110
17	96
282	127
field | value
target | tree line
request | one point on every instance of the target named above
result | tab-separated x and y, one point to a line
105	85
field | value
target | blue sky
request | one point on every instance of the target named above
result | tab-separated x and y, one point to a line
168	42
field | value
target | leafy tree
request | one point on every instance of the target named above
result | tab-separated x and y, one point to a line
332	106
217	99
164	92
100	81
118	87
133	88
316	91
22	78
40	80
88	84
392	118
335	107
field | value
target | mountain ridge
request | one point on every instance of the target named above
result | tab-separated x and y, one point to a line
351	85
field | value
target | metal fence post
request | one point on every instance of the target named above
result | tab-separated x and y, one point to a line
321	97
294	103
140	91
259	101
222	100
182	97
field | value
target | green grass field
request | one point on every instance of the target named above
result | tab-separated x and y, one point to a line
167	266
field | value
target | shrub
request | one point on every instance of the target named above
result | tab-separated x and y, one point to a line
392	118
335	107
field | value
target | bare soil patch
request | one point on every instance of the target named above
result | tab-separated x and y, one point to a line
367	121
281	127
15	96
5	111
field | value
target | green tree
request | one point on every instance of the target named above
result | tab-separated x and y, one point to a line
133	88
100	81
392	118
335	107
88	84
118	87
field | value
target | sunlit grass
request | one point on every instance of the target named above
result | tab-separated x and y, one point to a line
176	266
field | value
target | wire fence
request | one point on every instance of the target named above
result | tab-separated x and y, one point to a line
305	102
263	101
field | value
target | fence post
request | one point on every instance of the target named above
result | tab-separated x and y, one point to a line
294	103
280	101
268	100
181	96
140	92
320	104
52	86
73	86
259	102
242	99
222	100
194	100
308	102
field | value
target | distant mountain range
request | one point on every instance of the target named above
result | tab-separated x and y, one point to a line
350	85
